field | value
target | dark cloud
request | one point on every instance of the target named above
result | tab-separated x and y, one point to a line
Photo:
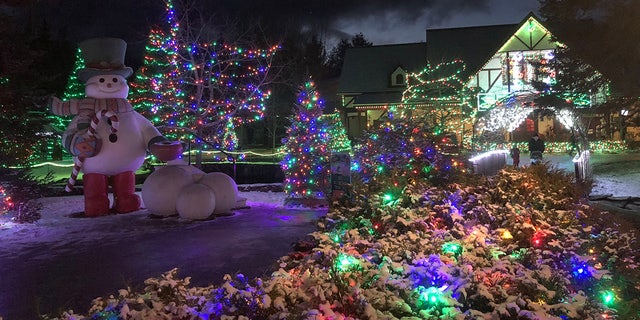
79	20
331	10
327	15
381	21
131	18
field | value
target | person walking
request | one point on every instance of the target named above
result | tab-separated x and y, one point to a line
536	148
515	156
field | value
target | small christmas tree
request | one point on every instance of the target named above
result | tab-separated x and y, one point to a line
306	162
338	139
400	152
75	88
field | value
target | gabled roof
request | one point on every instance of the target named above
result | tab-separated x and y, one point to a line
368	69
474	45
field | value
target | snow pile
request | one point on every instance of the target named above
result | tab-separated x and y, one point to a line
520	245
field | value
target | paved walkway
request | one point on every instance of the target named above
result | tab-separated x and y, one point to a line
249	242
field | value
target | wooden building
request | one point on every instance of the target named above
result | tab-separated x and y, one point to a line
498	66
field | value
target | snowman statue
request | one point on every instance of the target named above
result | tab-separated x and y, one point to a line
108	139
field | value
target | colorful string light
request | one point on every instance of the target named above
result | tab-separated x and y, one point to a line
307	153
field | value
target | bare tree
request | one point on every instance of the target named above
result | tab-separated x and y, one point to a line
221	74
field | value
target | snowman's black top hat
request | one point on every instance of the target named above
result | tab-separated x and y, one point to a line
103	56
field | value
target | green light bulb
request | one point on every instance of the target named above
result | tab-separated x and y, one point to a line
608	298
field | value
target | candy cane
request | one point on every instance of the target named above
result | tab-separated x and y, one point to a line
79	161
77	166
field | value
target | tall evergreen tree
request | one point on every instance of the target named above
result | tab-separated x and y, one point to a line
602	34
306	161
315	57
74	88
21	120
576	86
336	56
149	88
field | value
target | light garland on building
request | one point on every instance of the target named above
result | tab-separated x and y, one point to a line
439	95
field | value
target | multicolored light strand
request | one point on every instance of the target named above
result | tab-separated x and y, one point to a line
306	162
202	90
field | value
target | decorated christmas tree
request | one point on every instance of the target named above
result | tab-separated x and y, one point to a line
75	88
306	160
338	139
400	152
149	90
156	88
206	87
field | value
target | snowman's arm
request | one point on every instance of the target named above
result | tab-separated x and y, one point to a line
150	134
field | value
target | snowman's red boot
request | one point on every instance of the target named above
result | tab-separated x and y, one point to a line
96	201
124	188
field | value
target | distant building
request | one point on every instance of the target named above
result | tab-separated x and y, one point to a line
498	65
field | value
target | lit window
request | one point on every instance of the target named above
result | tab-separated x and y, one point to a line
530	125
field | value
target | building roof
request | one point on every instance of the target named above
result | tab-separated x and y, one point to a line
367	69
474	45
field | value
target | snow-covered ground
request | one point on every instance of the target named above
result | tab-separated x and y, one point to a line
615	174
62	261
56	229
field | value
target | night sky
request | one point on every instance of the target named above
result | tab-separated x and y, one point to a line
381	21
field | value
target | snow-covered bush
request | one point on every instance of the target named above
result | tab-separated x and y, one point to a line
519	245
22	187
402	151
